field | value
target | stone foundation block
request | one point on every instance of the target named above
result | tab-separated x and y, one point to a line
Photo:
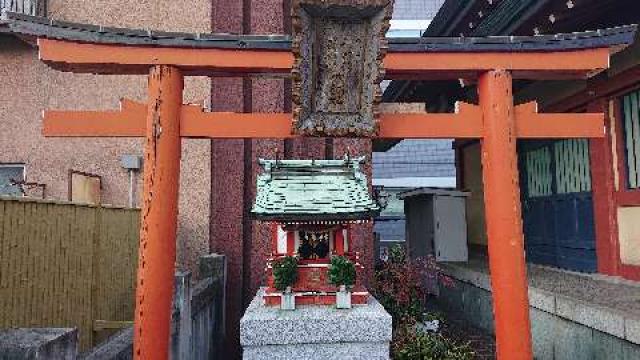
315	332
38	344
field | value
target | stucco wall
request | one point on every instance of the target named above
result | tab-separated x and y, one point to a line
29	87
629	234
191	16
477	233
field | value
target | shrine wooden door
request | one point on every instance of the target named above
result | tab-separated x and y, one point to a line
557	204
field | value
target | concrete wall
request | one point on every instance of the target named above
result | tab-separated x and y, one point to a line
629	234
38	344
562	328
196	329
29	87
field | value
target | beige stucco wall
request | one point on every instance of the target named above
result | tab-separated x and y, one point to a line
472	170
28	87
168	15
629	234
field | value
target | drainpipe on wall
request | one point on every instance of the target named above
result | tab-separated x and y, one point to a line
131	188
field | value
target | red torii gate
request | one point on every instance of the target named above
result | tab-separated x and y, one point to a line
164	120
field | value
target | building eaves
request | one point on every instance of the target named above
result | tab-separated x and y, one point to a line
448	16
508	16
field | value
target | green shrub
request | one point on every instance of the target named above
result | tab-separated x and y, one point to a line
285	272
400	284
342	271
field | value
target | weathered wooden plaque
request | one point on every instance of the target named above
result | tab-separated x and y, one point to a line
338	46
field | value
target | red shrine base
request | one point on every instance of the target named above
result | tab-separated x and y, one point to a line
312	286
359	296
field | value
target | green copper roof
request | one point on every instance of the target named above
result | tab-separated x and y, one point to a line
313	190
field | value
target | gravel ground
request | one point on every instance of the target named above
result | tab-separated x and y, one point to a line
482	343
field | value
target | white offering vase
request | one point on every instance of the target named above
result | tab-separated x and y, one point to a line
343	298
288	300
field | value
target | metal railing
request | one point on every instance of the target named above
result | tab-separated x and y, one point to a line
27	7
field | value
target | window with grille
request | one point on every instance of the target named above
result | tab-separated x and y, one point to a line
631	130
538	172
573	171
11	176
558	167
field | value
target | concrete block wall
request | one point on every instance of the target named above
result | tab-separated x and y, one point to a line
38	344
555	337
197	317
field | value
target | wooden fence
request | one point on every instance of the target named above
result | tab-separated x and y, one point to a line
67	265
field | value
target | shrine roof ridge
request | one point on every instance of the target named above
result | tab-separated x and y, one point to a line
35	26
312	190
311	163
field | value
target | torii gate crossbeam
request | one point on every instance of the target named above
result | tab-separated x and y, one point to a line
496	121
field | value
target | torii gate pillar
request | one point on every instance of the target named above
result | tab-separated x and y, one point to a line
156	262
503	217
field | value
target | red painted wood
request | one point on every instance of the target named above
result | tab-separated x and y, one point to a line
196	123
154	291
624	196
113	59
628	198
503	217
630	272
317	299
338	242
604	207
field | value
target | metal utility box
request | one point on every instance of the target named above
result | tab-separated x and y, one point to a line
131	162
436	223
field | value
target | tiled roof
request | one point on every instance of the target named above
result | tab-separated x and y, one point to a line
415	158
415	9
313	190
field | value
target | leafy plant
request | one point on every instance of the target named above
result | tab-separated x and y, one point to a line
412	344
342	271
285	272
401	284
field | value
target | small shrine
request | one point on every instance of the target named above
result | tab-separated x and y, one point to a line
311	205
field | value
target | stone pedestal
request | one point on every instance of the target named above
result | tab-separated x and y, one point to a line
315	332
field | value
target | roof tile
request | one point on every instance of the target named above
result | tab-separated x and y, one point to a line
308	190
